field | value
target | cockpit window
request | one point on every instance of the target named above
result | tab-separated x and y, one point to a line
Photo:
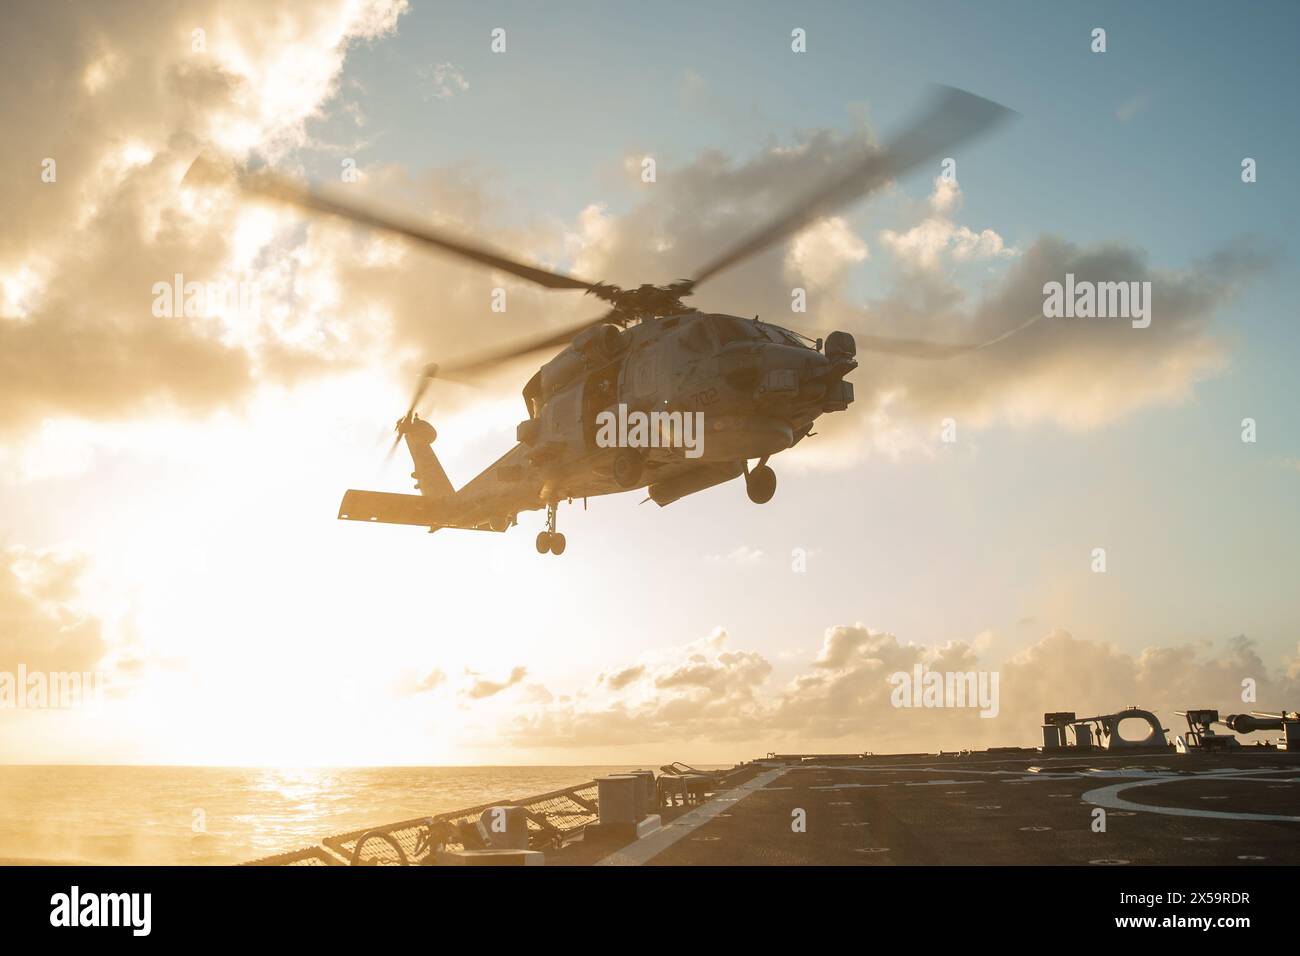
733	329
781	336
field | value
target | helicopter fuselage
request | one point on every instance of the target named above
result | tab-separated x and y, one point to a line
755	388
708	391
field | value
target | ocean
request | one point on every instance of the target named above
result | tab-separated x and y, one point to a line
223	815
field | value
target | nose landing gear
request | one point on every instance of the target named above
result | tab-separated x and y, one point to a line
760	482
550	539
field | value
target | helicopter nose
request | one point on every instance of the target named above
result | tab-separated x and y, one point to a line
840	347
841	358
818	377
785	371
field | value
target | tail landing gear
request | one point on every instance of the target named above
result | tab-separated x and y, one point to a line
550	539
760	482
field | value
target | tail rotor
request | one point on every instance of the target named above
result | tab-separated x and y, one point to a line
408	421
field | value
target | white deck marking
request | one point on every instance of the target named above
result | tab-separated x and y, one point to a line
943	783
1110	796
649	847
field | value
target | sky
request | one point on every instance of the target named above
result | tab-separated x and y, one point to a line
170	482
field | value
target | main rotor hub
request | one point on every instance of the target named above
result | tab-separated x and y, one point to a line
646	301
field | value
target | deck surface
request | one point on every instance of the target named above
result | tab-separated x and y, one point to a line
988	808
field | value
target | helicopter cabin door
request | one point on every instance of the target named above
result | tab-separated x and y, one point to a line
644	373
562	423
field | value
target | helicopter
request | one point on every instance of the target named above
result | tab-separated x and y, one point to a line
695	396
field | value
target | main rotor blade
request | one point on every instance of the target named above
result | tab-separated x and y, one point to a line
953	116
474	365
270	186
920	349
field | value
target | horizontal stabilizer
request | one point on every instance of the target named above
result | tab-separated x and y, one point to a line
384	507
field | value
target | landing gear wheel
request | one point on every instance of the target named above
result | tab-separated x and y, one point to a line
628	466
760	484
550	539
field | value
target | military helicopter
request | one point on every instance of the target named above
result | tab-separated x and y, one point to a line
753	388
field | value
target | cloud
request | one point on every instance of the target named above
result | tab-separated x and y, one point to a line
620	679
442	81
731	672
481	688
847	694
42	625
79	255
823	251
698	208
704	691
923	246
1071	374
431	681
1076	374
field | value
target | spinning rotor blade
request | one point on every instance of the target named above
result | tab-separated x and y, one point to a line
920	349
270	186
397	440
953	117
477	364
421	387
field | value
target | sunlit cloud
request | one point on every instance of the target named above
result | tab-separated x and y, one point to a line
843	696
